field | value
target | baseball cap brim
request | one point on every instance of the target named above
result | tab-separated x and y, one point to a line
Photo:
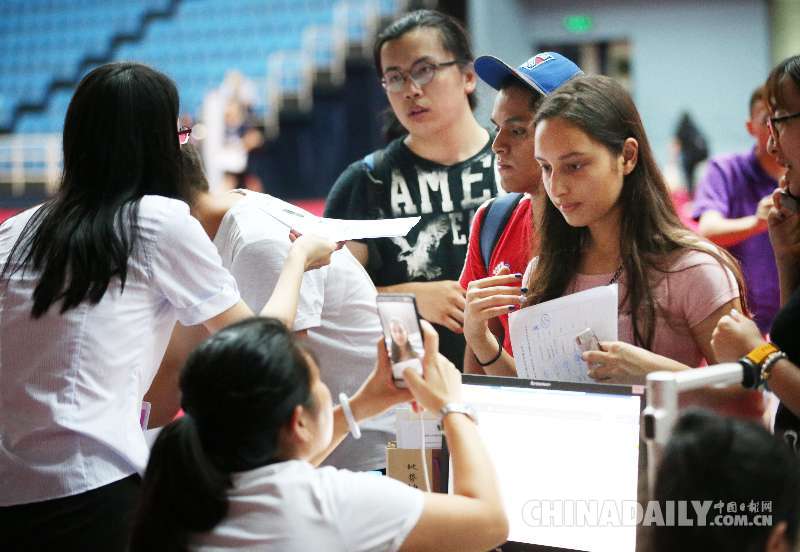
494	72
543	78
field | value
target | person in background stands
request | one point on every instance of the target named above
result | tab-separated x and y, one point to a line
441	170
732	202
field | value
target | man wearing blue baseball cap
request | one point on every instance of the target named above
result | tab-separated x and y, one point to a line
502	238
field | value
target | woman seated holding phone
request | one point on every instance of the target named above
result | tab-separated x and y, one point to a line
238	471
610	220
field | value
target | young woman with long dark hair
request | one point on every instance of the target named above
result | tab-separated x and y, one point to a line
610	220
239	470
91	286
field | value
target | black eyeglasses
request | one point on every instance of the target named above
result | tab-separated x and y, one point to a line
776	124
420	74
183	135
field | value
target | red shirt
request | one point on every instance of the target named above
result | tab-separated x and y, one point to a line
513	248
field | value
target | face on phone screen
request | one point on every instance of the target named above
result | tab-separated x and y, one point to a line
400	322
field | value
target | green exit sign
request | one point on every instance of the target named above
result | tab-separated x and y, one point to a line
578	23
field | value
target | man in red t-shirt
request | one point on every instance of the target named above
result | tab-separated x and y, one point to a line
520	91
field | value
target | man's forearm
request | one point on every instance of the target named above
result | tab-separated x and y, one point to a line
727	232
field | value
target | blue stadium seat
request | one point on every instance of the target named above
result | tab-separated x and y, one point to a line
46	40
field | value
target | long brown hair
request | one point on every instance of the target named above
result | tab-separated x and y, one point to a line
650	230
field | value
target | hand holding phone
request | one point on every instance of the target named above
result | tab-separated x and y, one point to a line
587	341
402	333
788	201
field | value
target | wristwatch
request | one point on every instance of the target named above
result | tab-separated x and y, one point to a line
460	408
753	364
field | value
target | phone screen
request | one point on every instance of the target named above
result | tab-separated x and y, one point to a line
788	202
402	333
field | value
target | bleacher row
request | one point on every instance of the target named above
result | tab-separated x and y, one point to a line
43	41
47	45
46	41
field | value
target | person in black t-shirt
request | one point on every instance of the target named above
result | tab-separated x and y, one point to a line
736	335
442	170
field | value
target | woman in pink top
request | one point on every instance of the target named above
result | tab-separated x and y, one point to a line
610	220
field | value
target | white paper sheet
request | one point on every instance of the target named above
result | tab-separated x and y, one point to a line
337	229
543	336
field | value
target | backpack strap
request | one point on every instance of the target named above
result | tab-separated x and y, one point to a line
375	168
494	222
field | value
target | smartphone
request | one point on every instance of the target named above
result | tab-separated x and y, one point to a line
402	333
788	202
587	341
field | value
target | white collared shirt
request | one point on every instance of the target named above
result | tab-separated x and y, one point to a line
294	506
337	307
71	385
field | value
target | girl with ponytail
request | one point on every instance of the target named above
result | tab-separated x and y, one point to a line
238	470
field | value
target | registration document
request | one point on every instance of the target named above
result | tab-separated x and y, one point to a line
304	222
543	336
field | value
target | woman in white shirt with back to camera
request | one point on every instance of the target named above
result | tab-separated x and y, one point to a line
92	283
237	472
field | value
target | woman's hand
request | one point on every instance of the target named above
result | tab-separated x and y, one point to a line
620	362
784	229
378	392
316	251
442	381
488	298
735	336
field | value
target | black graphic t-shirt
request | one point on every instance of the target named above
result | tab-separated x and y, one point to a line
446	197
784	334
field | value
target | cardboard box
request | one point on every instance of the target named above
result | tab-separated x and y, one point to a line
406	465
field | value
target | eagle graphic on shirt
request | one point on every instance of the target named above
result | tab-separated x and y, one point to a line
420	257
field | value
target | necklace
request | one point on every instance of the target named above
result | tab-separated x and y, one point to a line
616	275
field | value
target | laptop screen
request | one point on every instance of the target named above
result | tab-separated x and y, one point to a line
567	459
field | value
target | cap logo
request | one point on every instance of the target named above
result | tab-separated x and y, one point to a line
537	60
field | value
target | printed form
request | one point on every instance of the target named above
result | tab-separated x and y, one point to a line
543	336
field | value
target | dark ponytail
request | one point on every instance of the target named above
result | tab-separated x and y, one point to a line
185	491
239	388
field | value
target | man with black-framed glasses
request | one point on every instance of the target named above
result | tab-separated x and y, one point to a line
441	169
732	203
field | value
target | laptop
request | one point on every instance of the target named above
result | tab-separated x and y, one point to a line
567	458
